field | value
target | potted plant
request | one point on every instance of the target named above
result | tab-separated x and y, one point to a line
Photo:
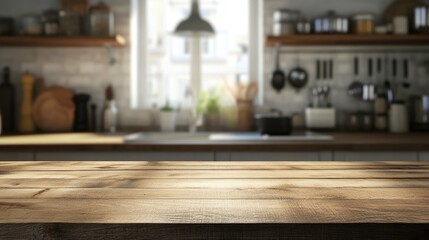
208	105
167	118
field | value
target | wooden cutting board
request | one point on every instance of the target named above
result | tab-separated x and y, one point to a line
53	110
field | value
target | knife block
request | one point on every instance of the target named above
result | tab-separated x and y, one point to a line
320	118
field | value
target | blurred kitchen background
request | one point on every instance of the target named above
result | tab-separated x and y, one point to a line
142	87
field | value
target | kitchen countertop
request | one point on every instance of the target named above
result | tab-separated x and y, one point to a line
208	200
100	142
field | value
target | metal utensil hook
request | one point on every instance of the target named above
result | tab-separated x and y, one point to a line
298	59
112	60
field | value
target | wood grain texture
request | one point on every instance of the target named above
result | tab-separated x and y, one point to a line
216	193
207	165
194	200
209	211
223	174
99	142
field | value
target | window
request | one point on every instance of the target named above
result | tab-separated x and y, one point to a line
161	60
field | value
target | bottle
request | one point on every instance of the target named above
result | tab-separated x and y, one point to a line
7	103
110	113
94	118
81	117
26	123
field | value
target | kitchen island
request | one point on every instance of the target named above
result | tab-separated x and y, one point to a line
214	200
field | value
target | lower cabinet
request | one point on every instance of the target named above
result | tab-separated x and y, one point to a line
274	156
214	156
124	156
16	156
424	156
376	156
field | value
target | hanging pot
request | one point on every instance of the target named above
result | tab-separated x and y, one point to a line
298	77
278	80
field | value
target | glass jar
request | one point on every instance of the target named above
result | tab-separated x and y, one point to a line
51	22
31	24
101	20
331	23
303	27
284	22
421	19
6	26
364	23
70	23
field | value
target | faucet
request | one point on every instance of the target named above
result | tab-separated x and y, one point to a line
194	118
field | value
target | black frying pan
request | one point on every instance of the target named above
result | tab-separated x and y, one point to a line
298	78
278	80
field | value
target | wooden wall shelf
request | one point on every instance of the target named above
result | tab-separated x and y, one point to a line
349	39
43	41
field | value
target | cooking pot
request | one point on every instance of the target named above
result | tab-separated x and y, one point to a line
274	123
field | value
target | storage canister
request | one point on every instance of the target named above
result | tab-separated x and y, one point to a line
364	23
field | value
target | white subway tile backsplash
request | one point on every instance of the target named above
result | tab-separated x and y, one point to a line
90	67
52	68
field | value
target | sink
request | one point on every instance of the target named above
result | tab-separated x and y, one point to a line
302	136
225	137
182	136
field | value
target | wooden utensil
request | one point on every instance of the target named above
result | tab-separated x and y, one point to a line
54	110
251	91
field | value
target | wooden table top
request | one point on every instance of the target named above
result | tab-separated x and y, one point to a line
36	194
103	142
214	192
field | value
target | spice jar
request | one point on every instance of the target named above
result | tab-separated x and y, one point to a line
303	27
101	20
421	19
31	25
364	23
284	21
51	22
331	23
70	23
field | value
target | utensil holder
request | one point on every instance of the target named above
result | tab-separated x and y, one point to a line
398	118
244	115
168	121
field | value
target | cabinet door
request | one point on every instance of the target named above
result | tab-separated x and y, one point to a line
16	156
222	156
424	156
274	156
125	156
376	156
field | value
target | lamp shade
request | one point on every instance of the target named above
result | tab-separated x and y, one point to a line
194	24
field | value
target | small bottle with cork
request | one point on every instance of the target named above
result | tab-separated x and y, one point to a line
110	113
